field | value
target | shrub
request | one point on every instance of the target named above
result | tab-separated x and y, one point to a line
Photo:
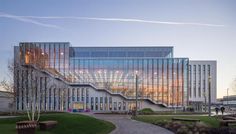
183	128
146	111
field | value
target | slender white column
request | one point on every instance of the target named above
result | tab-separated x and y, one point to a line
20	89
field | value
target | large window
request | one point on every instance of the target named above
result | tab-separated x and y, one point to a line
92	103
96	103
124	105
115	106
101	103
73	94
119	106
199	80
161	78
78	94
204	80
110	103
195	79
190	81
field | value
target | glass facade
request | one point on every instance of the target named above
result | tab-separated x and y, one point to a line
51	56
161	77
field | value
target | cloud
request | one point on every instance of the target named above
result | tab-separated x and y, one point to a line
28	20
31	19
126	20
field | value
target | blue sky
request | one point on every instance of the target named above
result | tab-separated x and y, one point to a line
198	29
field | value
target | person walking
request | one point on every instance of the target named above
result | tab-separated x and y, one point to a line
217	110
222	109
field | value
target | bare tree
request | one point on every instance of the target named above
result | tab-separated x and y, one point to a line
37	93
8	84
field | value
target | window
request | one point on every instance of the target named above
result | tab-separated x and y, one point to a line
96	103
156	54
81	54
204	79
82	94
190	81
99	54
105	105
124	106
199	80
50	98
194	81
73	94
117	54
209	74
209	70
59	99
54	93
78	94
115	106
27	88
119	105
101	103
87	96
110	103
17	89
68	90
45	93
92	103
135	54
40	91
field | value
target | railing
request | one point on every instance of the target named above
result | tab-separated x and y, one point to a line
63	79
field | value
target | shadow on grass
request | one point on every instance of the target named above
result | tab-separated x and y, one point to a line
67	124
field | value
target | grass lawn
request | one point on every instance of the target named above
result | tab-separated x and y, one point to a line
211	121
68	124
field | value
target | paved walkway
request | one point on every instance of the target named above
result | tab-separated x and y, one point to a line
124	125
4	116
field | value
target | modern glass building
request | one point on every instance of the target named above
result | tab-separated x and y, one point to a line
162	78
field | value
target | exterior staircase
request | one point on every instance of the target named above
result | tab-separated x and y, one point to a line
62	79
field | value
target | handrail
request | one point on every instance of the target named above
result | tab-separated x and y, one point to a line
93	86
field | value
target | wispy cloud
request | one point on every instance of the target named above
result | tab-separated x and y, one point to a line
28	20
31	19
126	20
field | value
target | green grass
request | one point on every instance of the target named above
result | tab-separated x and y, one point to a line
211	121
170	113
68	124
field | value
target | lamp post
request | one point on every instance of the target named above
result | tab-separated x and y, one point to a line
209	96
205	100
228	97
174	95
175	107
136	95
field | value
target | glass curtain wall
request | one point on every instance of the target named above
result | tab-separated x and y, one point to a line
162	80
161	77
51	56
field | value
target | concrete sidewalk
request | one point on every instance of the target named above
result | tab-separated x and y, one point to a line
125	125
1	117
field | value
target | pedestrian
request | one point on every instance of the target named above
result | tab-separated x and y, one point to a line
217	110
222	109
